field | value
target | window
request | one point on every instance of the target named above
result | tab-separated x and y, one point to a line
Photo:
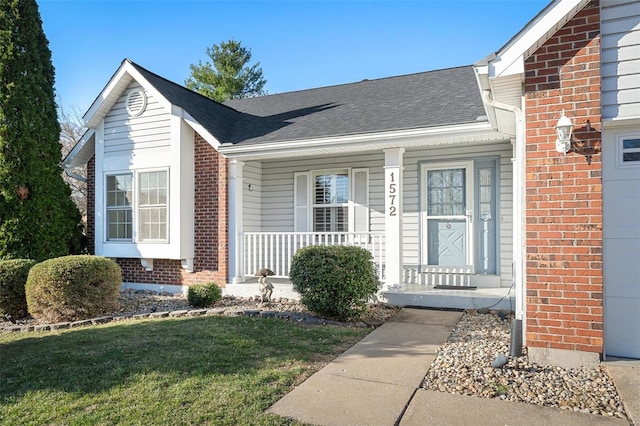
119	207
330	206
149	209
331	201
630	150
152	206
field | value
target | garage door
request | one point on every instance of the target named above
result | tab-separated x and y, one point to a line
621	246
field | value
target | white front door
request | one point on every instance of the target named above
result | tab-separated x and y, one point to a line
447	217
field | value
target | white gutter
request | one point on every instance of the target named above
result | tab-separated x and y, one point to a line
479	131
518	204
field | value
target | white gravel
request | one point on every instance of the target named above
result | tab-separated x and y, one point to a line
463	366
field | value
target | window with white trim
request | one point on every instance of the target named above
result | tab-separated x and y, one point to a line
146	208
631	150
152	206
119	207
331	201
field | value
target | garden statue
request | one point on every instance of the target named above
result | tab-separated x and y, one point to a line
266	288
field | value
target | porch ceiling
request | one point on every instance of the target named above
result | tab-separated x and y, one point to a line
474	133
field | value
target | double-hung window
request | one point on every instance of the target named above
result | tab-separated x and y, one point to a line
152	206
137	201
332	201
119	207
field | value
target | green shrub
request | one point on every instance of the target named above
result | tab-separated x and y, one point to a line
204	295
334	281
72	288
13	278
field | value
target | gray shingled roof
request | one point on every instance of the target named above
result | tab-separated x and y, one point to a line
217	118
429	99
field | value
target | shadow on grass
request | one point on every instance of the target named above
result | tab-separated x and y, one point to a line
95	359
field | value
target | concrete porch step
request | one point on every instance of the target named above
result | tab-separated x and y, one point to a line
410	295
500	298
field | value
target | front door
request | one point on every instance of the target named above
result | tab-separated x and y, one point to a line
447	217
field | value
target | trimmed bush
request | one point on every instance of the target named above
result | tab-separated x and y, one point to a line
334	281
13	278
72	288
204	295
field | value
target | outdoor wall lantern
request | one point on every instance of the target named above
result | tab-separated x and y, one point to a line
563	130
565	141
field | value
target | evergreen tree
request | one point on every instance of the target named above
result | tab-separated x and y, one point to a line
228	75
38	220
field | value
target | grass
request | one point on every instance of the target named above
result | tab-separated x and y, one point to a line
204	370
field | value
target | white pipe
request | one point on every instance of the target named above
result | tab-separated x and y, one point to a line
518	204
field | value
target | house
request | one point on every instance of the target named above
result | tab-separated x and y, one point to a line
456	180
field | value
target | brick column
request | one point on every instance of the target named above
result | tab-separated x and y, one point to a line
564	278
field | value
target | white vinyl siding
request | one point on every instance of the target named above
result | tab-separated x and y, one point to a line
620	58
252	197
151	129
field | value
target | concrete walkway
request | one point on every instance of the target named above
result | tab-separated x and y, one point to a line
376	383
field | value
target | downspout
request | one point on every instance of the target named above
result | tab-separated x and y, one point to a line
74	175
518	217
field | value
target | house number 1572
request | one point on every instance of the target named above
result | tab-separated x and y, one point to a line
392	195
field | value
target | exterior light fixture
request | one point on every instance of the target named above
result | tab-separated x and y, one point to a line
563	130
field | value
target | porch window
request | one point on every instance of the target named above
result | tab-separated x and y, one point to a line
332	201
331	197
119	207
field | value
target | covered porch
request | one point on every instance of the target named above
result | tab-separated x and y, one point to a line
378	200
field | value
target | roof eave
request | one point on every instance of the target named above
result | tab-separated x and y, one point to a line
510	58
459	133
81	152
118	83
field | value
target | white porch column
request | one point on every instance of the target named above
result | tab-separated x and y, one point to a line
393	217
235	221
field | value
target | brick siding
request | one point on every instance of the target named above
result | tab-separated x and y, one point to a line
91	205
564	278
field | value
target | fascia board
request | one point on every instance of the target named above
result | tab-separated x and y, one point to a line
510	59
80	146
198	128
364	142
114	88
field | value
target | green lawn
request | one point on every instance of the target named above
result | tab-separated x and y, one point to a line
204	370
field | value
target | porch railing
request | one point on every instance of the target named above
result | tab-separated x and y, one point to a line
275	250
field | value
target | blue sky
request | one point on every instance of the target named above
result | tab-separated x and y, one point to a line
299	44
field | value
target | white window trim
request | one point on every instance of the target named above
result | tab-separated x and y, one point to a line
136	214
105	221
313	175
135	176
620	151
310	194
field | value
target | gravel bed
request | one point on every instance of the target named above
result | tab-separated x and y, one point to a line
463	366
141	303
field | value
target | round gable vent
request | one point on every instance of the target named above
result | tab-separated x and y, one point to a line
136	102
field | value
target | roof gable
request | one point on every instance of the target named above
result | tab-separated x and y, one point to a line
509	60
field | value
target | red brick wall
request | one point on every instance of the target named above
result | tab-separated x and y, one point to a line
211	229
91	204
563	193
